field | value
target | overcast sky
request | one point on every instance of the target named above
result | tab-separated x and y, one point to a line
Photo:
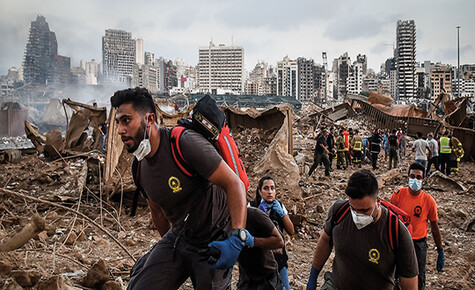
268	30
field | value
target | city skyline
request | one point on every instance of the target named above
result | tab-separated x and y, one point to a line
178	30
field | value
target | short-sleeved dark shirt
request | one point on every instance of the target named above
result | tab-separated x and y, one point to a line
392	140
180	195
255	264
320	140
364	258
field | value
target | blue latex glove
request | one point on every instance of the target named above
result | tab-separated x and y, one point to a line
312	280
230	250
249	240
278	208
263	206
440	259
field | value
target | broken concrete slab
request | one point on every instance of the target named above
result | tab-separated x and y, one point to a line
440	182
54	144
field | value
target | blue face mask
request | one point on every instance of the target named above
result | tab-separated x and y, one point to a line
415	184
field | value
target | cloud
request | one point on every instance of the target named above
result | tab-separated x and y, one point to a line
356	27
275	15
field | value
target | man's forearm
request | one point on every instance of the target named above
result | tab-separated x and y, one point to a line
274	241
235	190
409	283
322	252
237	205
434	226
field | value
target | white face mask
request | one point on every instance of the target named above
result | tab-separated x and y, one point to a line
362	220
144	147
415	184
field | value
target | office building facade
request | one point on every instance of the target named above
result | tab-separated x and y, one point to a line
221	67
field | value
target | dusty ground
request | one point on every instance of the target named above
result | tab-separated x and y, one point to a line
70	244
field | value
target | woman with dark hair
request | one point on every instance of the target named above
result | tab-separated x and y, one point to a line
266	201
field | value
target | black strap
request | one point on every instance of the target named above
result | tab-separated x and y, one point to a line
135	201
139	189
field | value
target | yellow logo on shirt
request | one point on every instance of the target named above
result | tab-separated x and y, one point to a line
174	184
373	256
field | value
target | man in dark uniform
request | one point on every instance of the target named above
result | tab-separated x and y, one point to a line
393	144
375	147
190	213
321	153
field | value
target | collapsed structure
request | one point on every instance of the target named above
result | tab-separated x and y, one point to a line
412	119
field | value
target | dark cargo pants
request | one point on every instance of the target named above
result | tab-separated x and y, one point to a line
320	157
421	253
167	268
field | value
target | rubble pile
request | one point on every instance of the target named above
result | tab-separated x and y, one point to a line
252	144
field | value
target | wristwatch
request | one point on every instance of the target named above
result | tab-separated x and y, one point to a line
240	233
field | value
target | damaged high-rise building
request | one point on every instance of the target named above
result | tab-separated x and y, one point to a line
406	59
39	54
118	56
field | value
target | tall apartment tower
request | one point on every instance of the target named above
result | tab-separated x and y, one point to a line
287	77
118	56
342	69
306	85
221	67
39	53
406	59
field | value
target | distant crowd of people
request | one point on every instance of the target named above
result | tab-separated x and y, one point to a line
348	147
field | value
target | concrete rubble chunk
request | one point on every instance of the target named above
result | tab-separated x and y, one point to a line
438	181
52	283
97	275
26	278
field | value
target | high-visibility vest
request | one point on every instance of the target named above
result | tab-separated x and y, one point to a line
358	146
445	145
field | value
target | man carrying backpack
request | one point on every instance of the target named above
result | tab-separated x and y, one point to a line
422	208
367	252
191	213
